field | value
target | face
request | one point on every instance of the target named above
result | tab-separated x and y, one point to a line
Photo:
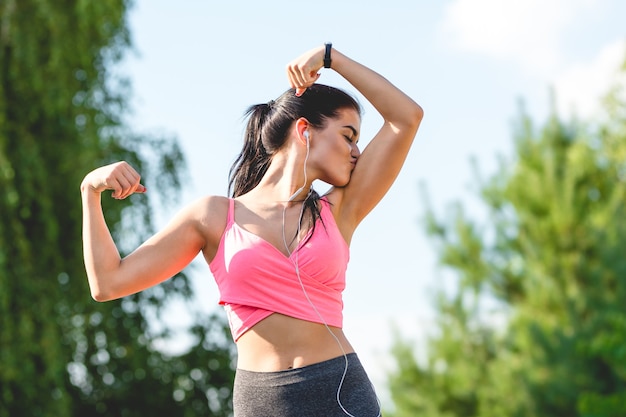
334	149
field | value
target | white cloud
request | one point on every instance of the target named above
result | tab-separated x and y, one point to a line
526	32
539	36
580	88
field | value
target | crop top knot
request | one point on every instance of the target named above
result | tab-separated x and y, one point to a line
255	279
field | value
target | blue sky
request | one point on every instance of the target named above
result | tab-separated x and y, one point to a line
198	64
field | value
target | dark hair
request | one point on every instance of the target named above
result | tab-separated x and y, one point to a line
267	128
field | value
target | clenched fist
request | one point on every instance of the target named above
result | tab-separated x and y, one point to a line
119	177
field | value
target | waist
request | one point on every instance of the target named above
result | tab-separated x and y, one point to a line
280	342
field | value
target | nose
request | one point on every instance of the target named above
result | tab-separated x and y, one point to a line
356	152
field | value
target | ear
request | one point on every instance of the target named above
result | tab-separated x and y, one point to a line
303	129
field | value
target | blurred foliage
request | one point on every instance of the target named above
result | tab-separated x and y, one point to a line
536	325
62	109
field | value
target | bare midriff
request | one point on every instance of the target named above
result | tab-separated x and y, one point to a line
280	342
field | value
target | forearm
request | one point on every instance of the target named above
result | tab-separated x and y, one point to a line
100	253
393	105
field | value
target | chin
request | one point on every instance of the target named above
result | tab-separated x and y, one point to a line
341	183
338	181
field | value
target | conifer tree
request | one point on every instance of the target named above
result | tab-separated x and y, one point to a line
537	326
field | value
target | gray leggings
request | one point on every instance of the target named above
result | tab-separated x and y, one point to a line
310	391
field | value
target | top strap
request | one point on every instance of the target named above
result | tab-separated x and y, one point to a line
230	219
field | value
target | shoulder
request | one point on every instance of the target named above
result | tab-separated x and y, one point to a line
205	208
209	215
210	211
210	204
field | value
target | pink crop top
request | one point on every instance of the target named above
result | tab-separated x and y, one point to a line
255	279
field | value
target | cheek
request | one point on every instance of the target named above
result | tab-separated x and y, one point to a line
342	147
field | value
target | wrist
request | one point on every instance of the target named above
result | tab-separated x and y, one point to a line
328	48
86	189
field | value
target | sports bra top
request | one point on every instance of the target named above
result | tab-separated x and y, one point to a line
255	279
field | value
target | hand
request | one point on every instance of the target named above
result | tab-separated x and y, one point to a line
119	177
303	71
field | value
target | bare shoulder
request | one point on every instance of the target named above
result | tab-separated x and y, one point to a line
209	212
210	215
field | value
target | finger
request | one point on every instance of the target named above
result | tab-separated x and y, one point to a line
121	192
126	180
134	180
302	76
121	188
131	184
136	188
117	188
301	90
295	77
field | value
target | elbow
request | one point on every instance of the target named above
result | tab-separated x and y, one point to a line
420	111
415	119
411	119
103	286
417	114
411	123
99	296
407	126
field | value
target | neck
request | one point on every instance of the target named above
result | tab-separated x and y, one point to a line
285	179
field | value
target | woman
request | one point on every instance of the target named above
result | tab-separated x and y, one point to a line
277	250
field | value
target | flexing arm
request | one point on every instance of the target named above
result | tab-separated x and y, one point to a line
159	258
381	161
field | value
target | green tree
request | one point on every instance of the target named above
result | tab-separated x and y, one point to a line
62	108
537	325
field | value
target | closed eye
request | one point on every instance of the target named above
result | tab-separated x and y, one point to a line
355	134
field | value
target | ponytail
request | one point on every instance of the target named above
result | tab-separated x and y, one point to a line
254	160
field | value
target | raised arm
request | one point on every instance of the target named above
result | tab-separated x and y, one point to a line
158	259
381	161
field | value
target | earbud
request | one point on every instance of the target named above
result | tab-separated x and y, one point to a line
307	135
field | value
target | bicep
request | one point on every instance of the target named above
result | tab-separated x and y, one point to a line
376	170
162	256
